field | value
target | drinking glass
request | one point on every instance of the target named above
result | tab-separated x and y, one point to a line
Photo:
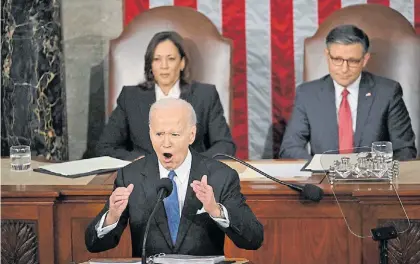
20	158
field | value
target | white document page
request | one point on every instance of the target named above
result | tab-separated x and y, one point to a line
85	166
322	162
283	171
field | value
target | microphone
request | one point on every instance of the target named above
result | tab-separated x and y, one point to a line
308	191
164	189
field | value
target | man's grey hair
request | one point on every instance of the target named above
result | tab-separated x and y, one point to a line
174	102
348	34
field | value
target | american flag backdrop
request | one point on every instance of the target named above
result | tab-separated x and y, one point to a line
267	57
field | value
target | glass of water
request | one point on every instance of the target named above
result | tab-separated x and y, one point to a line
20	157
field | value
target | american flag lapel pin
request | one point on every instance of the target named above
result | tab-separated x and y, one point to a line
368	94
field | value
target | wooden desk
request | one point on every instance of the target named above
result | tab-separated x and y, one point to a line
52	220
237	260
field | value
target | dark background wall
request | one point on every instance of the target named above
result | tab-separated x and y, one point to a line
32	78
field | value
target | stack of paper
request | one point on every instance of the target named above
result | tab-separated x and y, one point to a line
167	259
79	168
185	259
110	261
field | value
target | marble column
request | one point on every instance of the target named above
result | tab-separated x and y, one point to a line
32	78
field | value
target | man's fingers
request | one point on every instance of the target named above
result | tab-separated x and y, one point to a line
120	197
124	190
123	204
204	180
119	203
198	188
195	182
130	187
120	189
121	193
201	196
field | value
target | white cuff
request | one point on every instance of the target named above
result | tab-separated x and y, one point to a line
223	222
102	231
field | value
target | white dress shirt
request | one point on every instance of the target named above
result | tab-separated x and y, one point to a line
174	92
352	98
181	180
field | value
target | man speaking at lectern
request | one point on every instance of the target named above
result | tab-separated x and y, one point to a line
205	204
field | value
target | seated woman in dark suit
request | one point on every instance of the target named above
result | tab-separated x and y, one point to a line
126	136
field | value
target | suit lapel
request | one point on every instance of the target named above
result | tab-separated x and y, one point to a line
151	172
148	97
327	99
186	92
364	104
191	204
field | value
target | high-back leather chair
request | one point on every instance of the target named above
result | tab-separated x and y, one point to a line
209	52
394	48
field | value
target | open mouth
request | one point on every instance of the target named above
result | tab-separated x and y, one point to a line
167	156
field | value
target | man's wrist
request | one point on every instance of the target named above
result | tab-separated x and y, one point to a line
110	219
216	212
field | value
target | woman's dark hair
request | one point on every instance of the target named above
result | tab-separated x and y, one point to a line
178	41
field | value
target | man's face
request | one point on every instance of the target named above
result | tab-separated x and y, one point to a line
346	62
171	134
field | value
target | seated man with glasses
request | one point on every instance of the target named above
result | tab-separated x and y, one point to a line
348	108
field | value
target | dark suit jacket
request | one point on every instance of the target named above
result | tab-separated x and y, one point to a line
126	135
382	116
198	234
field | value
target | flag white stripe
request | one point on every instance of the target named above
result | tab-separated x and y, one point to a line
258	45
305	24
405	7
258	40
156	3
213	10
345	3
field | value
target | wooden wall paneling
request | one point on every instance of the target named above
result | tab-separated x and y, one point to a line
25	215
73	217
404	249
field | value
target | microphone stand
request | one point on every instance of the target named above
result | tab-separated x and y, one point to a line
308	191
383	251
382	235
291	186
146	232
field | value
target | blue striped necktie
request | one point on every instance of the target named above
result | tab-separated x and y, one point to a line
172	208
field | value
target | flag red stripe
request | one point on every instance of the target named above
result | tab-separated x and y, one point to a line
233	27
282	66
187	3
381	2
326	7
417	16
132	8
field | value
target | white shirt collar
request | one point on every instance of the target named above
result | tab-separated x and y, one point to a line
352	88
174	92
182	172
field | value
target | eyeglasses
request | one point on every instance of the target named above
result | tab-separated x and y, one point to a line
353	63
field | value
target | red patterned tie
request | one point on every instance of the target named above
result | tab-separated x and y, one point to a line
345	126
